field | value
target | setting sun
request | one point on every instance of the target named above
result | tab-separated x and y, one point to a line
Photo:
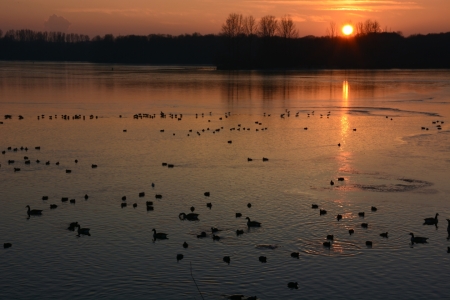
347	29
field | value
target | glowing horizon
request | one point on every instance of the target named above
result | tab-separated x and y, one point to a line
100	17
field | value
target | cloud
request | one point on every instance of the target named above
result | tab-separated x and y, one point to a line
57	23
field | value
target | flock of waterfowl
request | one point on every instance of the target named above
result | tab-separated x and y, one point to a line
191	216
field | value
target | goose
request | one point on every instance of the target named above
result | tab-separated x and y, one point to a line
84	231
263	259
185	245
34	212
252	223
384	234
293	285
351	231
431	221
418	239
159	235
227	259
448	229
189	216
295	255
179	257
72	226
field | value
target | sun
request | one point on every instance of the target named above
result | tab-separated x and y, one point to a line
347	29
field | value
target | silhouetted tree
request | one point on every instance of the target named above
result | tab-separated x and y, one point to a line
331	31
286	28
267	26
249	26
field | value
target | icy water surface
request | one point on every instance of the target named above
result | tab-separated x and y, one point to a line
294	119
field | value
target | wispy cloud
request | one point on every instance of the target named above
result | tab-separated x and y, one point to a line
346	5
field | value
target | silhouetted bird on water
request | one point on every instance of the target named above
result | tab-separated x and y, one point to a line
83	231
227	259
189	216
185	245
33	212
418	239
252	223
295	255
314	206
159	235
384	234
448	229
293	285
179	257
263	259
373	208
339	217
351	231
364	225
192	209
368	243
431	221
331	182
7	245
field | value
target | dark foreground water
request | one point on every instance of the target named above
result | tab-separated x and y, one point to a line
385	158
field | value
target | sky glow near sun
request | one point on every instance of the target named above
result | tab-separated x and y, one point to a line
142	17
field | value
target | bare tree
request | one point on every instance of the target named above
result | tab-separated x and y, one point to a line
267	26
331	30
359	28
286	28
233	26
371	27
249	26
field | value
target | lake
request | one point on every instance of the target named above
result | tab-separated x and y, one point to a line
386	133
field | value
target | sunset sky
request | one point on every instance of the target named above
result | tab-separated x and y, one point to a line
99	17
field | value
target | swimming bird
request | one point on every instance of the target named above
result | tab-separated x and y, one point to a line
185	245
7	245
158	196
201	235
179	257
252	223
368	243
448	249
227	259
364	225
431	221
322	212
209	205
263	259
341	178
44	197
384	234
34	212
86	197
83	231
207	194
331	182
134	205
361	214
72	201
159	235
351	231
53	206
122	205
72	226
249	205
314	206
216	237
189	216
327	244
339	217
192	209
373	208
238	215
295	255
239	232
124	198
418	239
448	229
330	237
293	285
214	229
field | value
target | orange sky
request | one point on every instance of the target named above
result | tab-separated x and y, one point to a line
143	17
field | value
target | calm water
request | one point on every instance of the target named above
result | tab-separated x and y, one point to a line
390	163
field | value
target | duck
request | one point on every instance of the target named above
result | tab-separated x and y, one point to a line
239	232
431	221
122	205
83	231
201	235
361	214
214	229
351	231
189	216
53	206
185	245
209	205
384	234
295	255
263	259
252	223
314	206
364	225
134	205
448	249
238	215
249	205
418	239
72	226
207	194
331	182
368	243
192	209
373	208
34	212
216	237
293	285
124	198
322	212
227	259
179	257
330	237
327	244
7	245
339	217
159	235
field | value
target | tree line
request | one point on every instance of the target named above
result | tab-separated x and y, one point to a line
242	43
